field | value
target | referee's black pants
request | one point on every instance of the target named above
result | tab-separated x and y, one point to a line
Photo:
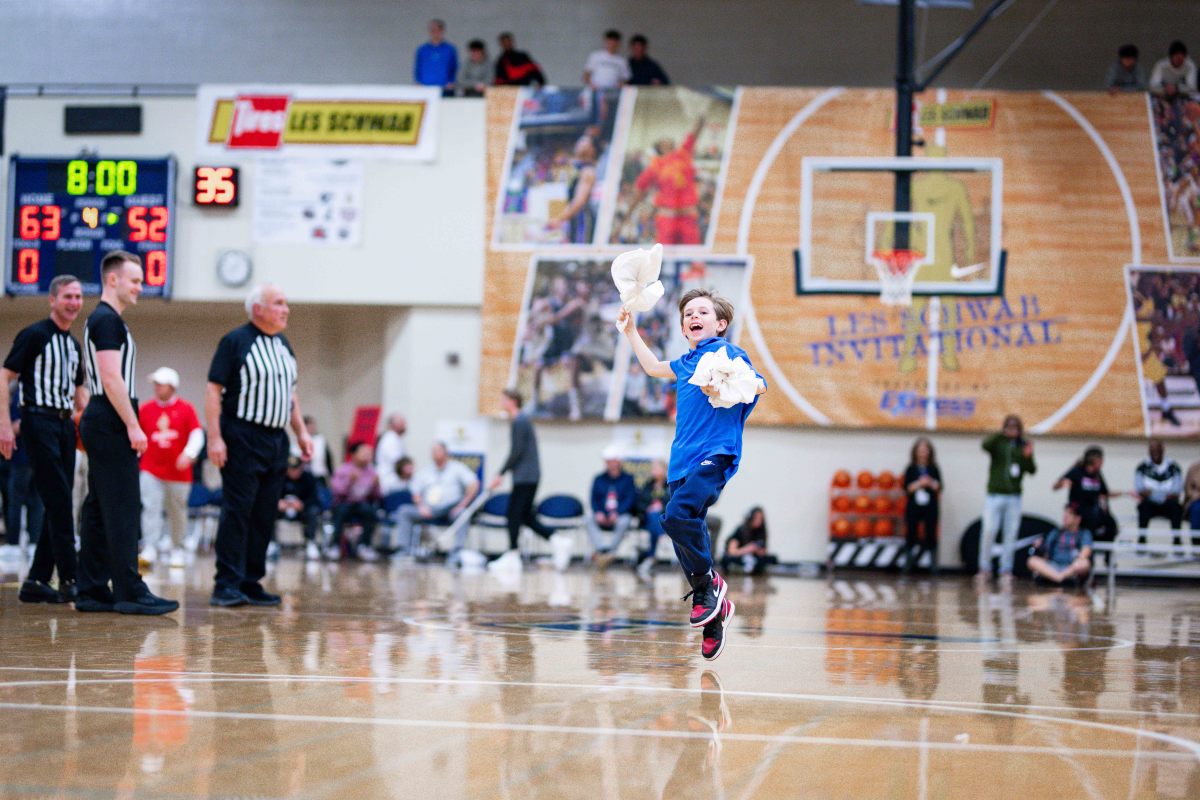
112	513
251	485
49	440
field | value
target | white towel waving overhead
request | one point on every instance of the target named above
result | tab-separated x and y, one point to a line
636	275
734	379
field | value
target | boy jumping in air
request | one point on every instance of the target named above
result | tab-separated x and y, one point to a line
704	454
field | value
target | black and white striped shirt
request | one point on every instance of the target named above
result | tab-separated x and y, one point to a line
258	374
106	330
49	364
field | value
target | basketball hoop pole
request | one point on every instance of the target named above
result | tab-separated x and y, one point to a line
905	83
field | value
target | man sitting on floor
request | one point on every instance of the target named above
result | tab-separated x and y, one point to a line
440	492
1068	551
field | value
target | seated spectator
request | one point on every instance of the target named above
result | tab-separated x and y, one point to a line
388	452
644	70
436	62
356	497
1158	483
748	544
1125	74
321	463
404	471
613	497
477	72
301	503
440	492
1191	499
1175	74
652	499
604	68
515	67
1066	552
923	487
1088	492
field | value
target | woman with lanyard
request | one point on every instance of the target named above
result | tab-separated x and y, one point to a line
923	485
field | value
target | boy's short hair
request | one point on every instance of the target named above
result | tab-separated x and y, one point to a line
1177	47
475	44
515	396
722	307
638	39
612	33
114	260
1127	51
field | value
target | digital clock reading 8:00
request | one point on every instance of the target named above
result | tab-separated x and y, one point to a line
65	214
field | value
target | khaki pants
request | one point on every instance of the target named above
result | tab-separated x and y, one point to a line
159	495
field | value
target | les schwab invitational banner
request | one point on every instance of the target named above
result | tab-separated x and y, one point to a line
1095	327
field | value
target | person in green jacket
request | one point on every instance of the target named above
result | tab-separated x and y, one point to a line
1012	460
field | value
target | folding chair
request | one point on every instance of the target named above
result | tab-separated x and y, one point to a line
562	512
203	510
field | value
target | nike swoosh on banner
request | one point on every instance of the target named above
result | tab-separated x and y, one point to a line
961	272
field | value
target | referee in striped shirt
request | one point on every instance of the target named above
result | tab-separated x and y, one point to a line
46	360
250	400
114	440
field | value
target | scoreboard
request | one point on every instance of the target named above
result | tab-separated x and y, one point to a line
66	214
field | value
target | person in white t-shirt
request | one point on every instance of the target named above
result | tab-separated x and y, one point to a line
388	452
440	492
605	69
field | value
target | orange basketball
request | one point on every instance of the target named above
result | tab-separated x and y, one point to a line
840	528
882	505
901	502
862	528
841	479
865	480
884	527
886	480
862	503
841	503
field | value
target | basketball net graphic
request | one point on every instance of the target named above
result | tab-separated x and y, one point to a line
897	266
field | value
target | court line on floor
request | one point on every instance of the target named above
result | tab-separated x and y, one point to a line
823	741
1180	742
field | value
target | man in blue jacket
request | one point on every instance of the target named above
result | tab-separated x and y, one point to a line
614	496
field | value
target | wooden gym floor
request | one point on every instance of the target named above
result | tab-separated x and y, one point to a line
415	681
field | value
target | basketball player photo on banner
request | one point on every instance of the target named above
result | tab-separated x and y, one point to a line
1165	302
558	156
673	166
1176	127
568	360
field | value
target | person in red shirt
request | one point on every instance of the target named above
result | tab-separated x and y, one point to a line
174	440
672	175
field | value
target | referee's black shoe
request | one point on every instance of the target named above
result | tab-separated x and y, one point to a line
258	596
90	603
226	597
146	603
39	592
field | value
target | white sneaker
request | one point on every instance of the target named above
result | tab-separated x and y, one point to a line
333	552
149	554
312	552
178	558
509	562
367	553
10	552
560	549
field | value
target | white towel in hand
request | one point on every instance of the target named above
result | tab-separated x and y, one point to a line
636	275
733	379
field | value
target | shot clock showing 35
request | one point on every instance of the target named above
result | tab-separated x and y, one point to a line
66	213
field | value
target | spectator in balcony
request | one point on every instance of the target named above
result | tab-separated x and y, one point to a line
1175	74
436	63
644	70
1125	74
440	492
1066	552
613	498
747	546
356	500
515	67
605	69
1158	482
923	486
652	499
1088	492
477	72
388	452
300	503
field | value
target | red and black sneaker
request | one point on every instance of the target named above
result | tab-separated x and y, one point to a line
706	598
714	632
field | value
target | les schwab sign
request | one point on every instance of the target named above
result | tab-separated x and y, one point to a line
324	121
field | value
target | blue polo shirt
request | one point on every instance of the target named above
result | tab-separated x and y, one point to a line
700	429
436	64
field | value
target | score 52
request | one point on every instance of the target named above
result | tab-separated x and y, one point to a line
216	186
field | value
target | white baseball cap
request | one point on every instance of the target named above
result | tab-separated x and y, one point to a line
166	376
